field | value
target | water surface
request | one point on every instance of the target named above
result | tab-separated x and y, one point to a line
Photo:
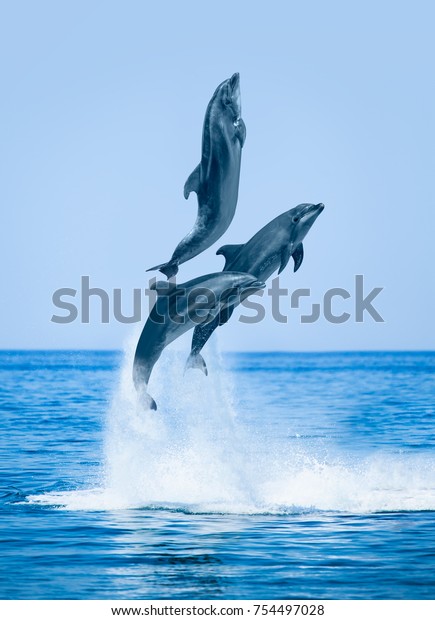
280	475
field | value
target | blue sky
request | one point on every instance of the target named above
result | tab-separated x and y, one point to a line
102	108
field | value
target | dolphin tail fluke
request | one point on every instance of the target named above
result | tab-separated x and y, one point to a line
168	269
147	401
195	360
151	403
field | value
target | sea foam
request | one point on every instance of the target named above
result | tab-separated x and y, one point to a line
196	455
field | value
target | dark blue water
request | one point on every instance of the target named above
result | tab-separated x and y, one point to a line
278	476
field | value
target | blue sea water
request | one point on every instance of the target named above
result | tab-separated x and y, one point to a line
280	475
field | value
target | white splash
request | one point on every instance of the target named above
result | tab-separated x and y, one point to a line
193	454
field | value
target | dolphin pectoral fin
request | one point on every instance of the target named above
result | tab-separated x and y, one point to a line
168	269
225	314
195	360
285	257
298	256
210	318
229	252
240	131
193	182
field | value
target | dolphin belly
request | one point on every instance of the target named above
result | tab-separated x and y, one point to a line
215	214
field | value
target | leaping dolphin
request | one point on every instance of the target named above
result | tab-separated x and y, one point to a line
269	249
178	309
216	178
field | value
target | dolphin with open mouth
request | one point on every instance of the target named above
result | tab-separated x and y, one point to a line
216	178
268	250
178	308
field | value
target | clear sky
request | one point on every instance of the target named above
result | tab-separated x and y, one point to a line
102	108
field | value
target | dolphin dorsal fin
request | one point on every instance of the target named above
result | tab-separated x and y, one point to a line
193	182
298	256
163	287
230	252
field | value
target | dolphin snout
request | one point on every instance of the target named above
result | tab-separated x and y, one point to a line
320	206
234	80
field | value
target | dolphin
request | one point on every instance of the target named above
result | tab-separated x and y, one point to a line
269	249
178	309
216	178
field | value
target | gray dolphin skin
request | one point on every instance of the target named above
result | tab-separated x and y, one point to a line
178	309
216	178
269	249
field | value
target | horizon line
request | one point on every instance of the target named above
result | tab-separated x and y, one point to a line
228	351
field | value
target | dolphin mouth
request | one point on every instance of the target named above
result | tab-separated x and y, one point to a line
310	209
234	81
255	284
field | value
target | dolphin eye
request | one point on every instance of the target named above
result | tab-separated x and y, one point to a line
295	219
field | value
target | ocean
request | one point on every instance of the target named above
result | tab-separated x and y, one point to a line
278	476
